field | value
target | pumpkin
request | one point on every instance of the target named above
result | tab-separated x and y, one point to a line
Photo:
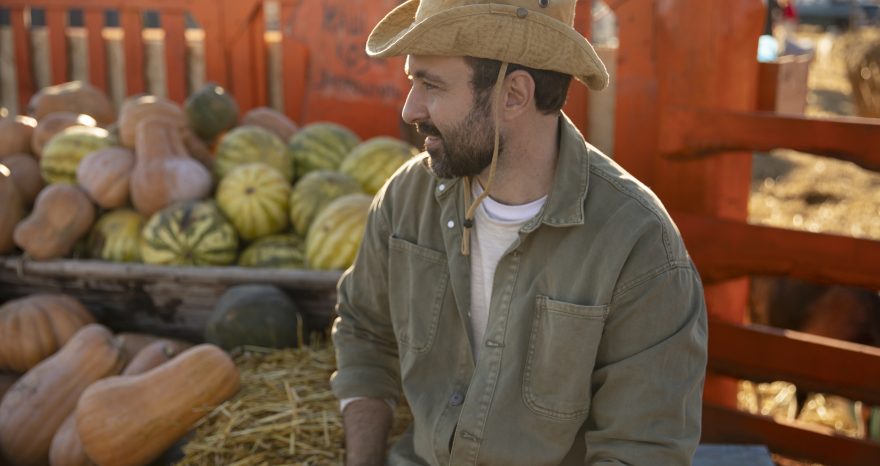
280	251
373	162
164	173
252	144
15	135
74	96
321	146
55	123
137	109
40	401
210	111
254	315
189	233
63	153
313	192
272	120
34	327
336	233
105	175
154	354
7	380
66	448
62	215
131	419
116	236
25	171
254	197
12	211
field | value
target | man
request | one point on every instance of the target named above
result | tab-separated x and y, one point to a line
533	301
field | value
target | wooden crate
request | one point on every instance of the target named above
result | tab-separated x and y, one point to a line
165	300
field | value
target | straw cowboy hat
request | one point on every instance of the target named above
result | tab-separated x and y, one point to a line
533	33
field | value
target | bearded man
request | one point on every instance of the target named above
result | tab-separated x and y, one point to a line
532	301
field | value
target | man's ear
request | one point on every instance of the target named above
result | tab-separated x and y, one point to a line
519	94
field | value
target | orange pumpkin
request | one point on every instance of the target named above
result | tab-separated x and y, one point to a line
74	96
55	123
130	420
272	120
15	135
62	215
26	176
39	402
34	327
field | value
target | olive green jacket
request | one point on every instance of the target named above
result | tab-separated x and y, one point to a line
595	348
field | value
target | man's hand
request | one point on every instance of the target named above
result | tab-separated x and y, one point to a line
367	422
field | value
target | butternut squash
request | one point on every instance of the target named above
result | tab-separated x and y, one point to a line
137	109
7	380
40	401
105	176
164	173
15	135
74	96
36	326
62	215
26	176
130	420
12	211
155	354
66	448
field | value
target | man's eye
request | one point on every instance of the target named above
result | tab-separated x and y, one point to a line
428	86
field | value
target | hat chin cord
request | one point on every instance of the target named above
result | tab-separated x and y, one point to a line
468	223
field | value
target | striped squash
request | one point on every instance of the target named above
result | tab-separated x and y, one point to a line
252	144
275	251
314	191
189	233
254	197
374	161
335	237
116	236
321	146
63	153
210	110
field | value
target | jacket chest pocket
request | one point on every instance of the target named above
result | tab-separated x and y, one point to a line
561	355
418	279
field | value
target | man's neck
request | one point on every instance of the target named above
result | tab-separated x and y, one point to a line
527	167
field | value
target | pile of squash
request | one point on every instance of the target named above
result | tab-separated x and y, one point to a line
74	394
191	184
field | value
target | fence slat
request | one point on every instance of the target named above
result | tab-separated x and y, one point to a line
175	55
725	249
259	51
23	63
208	16
725	425
765	354
57	25
94	22
686	133
133	47
294	64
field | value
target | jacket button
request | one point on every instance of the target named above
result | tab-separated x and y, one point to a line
450	224
456	398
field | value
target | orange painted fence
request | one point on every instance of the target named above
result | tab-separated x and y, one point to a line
687	82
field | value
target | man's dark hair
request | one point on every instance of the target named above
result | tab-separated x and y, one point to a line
551	87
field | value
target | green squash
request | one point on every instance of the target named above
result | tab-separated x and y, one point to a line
254	315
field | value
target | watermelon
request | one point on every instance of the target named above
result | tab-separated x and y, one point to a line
252	144
62	153
254	315
313	192
116	236
255	197
336	234
189	233
278	251
321	146
373	162
210	111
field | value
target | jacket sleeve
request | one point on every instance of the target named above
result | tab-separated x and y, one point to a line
648	383
366	348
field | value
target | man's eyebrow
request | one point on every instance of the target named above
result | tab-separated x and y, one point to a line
426	76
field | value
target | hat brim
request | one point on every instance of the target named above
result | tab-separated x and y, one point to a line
490	31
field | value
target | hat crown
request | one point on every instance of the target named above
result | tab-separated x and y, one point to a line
561	10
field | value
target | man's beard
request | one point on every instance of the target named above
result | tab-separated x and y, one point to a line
464	150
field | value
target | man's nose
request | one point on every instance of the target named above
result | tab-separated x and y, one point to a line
414	110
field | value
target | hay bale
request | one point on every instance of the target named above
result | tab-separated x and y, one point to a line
863	71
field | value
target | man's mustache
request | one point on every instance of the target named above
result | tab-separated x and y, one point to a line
427	129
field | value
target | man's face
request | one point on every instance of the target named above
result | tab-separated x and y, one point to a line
458	127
